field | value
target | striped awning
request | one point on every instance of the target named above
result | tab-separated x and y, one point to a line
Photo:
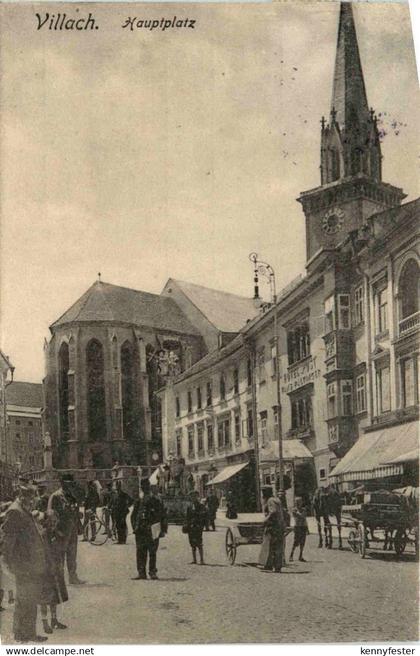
227	473
379	454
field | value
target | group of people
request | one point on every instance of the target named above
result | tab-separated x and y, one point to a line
38	537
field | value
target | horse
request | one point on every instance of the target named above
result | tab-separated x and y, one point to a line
325	503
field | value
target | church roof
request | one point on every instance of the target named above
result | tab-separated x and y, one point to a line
349	99
27	395
106	302
227	312
212	358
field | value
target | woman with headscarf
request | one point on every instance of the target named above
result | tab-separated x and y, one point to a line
54	590
271	555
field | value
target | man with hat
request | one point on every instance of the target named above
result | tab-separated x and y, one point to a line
25	556
64	503
41	502
149	523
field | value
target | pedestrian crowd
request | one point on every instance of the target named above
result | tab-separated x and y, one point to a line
39	538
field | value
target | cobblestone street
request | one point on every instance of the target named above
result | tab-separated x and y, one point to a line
334	596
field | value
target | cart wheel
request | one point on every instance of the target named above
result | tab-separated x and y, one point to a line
230	547
362	540
94	532
400	542
353	541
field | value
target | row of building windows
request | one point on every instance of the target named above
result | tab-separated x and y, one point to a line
224	437
209	391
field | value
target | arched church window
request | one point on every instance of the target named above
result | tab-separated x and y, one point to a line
152	367
128	389
96	391
409	289
63	389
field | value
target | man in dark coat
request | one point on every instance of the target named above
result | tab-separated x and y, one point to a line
149	522
120	509
64	503
24	555
92	501
212	504
107	503
41	502
196	521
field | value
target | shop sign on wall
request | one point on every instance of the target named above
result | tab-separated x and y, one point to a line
300	375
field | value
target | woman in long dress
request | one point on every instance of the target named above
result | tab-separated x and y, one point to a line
54	590
271	554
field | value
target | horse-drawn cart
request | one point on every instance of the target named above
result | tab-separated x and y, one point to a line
389	513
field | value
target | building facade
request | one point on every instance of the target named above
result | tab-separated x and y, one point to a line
24	422
346	371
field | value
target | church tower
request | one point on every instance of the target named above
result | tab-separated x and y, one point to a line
351	161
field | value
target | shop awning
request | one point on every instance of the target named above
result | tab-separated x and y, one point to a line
379	453
292	450
227	473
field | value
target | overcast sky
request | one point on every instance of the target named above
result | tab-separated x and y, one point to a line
147	155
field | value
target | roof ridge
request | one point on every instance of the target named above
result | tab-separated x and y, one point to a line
213	289
102	291
88	292
130	289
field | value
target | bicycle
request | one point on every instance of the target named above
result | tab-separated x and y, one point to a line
95	531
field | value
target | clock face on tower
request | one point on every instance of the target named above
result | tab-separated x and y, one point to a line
332	221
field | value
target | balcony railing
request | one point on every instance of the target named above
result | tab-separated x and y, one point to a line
410	323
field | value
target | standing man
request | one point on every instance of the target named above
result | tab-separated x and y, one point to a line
64	503
107	498
92	501
212	503
148	520
24	554
120	507
196	521
41	501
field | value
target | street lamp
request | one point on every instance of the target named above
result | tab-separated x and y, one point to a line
266	270
5	420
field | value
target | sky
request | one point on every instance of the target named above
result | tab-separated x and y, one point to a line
145	155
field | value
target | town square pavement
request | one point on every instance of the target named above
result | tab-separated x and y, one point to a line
335	596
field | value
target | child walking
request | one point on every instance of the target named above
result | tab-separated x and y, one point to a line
301	529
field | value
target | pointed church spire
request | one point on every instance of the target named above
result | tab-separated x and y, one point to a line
349	100
350	143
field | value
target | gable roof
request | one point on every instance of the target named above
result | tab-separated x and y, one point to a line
28	395
227	312
106	302
211	359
